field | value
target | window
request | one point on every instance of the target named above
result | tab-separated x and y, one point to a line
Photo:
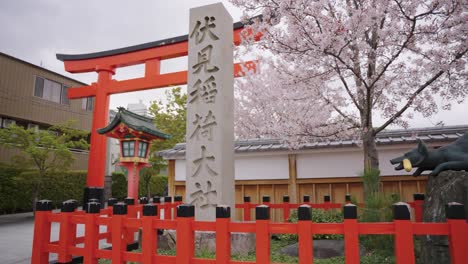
142	147
7	122
35	127
87	103
51	91
128	148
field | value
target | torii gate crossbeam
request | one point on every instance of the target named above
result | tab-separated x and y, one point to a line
105	64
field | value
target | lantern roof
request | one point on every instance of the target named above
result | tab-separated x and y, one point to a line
134	122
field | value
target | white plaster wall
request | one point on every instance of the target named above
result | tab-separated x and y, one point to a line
258	167
345	163
262	167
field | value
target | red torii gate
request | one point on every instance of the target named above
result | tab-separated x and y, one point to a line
104	63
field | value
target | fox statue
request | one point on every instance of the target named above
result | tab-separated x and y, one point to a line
453	156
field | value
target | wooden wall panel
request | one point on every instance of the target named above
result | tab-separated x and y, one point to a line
338	193
355	189
239	198
306	189
321	190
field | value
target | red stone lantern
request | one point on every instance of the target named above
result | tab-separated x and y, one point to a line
135	133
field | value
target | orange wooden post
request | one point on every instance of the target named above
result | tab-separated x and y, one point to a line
223	237
262	243
41	232
167	208
247	209
110	203
458	233
327	201
418	206
185	234
131	213
67	232
91	241
351	235
149	236
304	231
119	211
286	208
404	246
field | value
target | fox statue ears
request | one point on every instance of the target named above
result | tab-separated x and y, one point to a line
422	148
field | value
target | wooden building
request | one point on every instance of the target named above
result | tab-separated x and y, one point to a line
34	97
268	167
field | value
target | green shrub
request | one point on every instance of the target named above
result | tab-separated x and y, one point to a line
119	185
16	188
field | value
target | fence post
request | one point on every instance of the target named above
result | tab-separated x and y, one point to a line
418	206
262	241
131	213
143	200
247	216
149	237
157	201
110	203
67	232
304	232
41	232
266	200
286	208
91	242
185	234
306	199
351	235
223	237
458	232
326	201
119	211
167	208
404	246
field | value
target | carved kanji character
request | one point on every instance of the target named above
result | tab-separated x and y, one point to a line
201	31
204	126
202	164
204	60
206	90
204	196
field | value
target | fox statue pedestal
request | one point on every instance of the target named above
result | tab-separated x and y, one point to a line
448	186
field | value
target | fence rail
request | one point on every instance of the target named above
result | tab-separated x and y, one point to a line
124	219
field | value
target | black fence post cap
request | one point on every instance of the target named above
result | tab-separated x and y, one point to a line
266	199
223	211
455	211
262	212
306	198
246	199
285	199
185	210
418	196
304	213
111	201
119	209
129	201
350	211
167	199
44	205
326	198
348	197
69	206
150	210
177	198
401	211
143	200
156	199
93	208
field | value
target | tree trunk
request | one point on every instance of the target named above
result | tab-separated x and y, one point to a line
371	161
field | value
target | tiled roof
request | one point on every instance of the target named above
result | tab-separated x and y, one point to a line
386	137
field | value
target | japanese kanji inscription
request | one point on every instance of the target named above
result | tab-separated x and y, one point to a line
210	121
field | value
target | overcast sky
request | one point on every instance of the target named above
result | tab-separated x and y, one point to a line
36	30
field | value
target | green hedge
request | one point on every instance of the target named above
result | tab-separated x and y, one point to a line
119	185
16	188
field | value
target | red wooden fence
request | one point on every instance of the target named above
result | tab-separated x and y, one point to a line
125	218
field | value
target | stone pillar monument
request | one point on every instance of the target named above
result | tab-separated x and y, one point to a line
210	111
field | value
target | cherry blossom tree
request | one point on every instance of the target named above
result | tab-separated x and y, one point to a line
332	66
